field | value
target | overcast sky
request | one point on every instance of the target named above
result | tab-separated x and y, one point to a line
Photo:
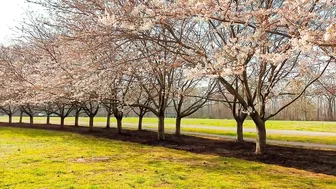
11	11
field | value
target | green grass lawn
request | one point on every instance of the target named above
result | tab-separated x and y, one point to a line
32	158
317	126
285	125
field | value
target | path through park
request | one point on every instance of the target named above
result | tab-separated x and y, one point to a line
270	131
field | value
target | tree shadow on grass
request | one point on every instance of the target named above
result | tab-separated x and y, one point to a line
318	161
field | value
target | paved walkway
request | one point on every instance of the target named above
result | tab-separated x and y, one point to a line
274	142
253	130
151	127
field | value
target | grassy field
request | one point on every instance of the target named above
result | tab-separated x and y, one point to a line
317	126
271	124
32	158
281	125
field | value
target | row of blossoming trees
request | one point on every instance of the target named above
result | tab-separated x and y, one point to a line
147	55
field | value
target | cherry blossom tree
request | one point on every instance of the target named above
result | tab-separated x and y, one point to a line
48	108
236	108
262	43
189	95
155	73
260	39
114	98
141	111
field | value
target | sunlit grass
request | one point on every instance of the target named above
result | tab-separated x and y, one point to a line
318	126
150	123
32	158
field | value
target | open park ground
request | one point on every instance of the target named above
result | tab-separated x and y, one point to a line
294	131
244	59
46	156
75	158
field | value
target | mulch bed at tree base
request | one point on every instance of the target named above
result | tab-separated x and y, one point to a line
318	161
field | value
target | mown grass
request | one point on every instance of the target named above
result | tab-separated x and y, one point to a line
271	124
317	126
150	123
31	158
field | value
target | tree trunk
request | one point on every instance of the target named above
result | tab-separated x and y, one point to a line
108	120
62	122
240	136
31	118
21	115
10	117
119	125
261	134
140	123
48	119
261	140
91	123
161	134
76	119
178	126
